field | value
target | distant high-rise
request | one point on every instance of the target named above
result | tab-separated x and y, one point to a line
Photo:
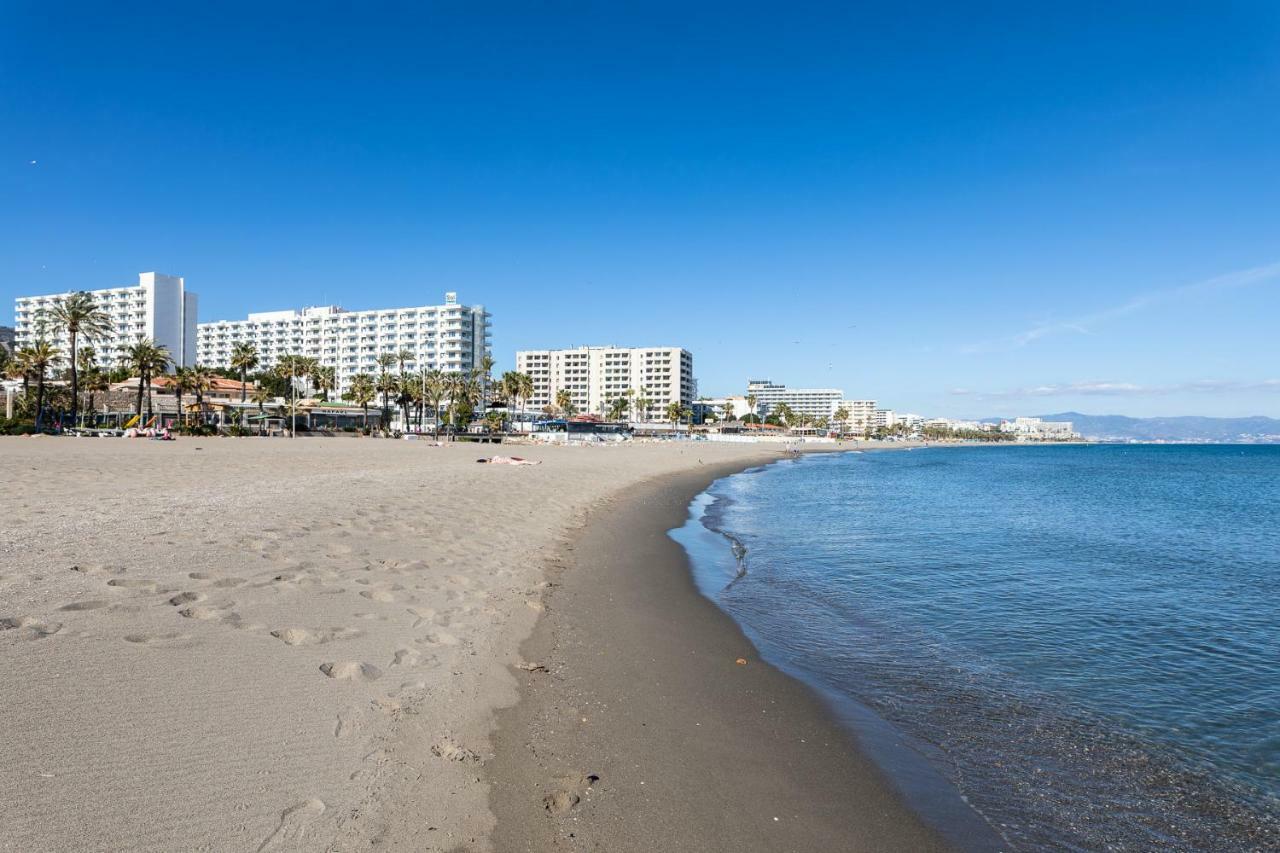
448	337
157	307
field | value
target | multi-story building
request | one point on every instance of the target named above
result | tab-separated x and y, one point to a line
596	376
1035	429
158	307
861	414
814	402
448	337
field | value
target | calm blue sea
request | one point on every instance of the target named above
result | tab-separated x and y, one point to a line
1081	644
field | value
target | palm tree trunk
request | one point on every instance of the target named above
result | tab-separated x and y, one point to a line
141	379
243	377
150	410
40	401
75	380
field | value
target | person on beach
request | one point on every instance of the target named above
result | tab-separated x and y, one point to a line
508	460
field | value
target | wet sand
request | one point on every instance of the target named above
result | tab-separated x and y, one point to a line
638	729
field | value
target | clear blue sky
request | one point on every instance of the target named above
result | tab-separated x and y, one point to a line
1021	209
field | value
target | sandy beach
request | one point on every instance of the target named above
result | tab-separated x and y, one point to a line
214	644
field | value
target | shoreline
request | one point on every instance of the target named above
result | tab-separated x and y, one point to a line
638	730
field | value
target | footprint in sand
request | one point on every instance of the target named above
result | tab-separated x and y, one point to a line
406	657
380	595
441	638
94	604
156	639
450	750
351	671
569	793
185	598
133	583
303	637
295	822
29	628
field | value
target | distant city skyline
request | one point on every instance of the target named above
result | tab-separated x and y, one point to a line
969	213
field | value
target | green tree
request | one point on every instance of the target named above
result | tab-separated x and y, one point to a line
42	355
564	402
147	358
363	393
618	408
79	314
244	357
292	368
386	384
435	389
324	378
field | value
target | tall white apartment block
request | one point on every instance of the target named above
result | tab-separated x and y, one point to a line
862	414
157	307
449	337
815	402
596	376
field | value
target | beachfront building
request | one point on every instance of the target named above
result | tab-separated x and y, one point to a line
158	307
861	415
597	376
449	337
1035	429
814	402
730	408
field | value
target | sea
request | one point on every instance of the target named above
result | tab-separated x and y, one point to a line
1065	647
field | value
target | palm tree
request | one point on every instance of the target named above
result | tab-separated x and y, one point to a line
841	416
94	380
21	367
525	383
673	413
642	404
386	384
435	389
181	385
201	379
244	357
148	358
752	399
79	314
408	395
464	391
564	402
290	368
618	408
363	393
485	368
86	362
727	408
42	354
324	378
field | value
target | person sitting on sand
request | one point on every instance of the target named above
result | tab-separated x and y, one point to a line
509	460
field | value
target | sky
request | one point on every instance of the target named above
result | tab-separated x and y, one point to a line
1010	208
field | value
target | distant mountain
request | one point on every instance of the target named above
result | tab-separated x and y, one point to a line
1186	428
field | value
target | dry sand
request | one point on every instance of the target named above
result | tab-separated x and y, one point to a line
217	644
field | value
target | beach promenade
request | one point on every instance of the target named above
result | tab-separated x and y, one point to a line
218	644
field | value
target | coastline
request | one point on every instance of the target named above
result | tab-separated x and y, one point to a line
638	730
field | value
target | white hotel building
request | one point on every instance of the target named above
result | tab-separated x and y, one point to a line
157	307
814	402
596	376
448	337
